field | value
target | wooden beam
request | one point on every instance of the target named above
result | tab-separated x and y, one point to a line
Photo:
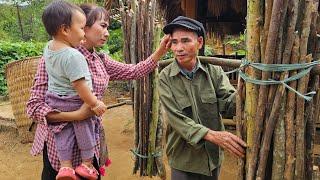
235	63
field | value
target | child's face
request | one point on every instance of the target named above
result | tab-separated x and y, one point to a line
76	30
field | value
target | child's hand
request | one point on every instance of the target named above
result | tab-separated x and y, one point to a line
100	108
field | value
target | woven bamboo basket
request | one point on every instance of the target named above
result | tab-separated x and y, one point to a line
19	76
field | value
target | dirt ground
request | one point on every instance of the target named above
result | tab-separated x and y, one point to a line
17	163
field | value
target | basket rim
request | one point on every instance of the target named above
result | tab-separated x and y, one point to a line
8	65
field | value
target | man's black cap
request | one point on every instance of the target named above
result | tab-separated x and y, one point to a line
182	21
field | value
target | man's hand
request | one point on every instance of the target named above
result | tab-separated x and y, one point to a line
227	141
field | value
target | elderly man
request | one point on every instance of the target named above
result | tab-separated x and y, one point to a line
194	96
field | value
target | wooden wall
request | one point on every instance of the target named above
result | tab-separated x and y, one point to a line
189	7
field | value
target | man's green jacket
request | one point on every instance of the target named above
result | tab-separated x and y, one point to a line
192	107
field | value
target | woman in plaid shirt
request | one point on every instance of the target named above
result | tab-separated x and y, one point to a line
102	69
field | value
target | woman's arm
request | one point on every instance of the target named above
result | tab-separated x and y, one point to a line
41	112
121	71
162	49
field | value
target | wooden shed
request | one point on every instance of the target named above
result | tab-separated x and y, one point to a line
222	17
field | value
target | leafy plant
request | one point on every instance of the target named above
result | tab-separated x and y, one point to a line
237	43
10	51
114	45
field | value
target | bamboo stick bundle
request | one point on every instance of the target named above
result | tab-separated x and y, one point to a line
138	24
278	137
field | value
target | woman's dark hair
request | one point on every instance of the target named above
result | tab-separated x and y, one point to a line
57	14
94	13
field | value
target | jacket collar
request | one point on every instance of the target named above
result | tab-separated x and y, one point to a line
175	69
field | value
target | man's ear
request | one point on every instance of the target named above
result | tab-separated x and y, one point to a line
200	42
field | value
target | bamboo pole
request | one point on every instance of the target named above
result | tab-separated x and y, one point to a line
155	107
289	128
253	30
154	122
289	118
314	86
133	30
267	17
239	125
279	145
156	110
310	129
159	147
268	131
300	122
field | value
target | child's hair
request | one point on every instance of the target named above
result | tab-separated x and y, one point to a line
93	13
57	14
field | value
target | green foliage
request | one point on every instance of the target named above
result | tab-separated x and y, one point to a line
237	43
114	24
114	45
30	11
30	25
208	51
14	51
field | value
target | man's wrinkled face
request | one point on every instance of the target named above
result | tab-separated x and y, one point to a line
185	45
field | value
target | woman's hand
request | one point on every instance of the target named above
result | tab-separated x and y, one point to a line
84	112
165	45
81	114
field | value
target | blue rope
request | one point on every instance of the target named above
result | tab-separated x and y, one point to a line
154	154
278	68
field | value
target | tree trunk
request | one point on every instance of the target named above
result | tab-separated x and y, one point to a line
20	21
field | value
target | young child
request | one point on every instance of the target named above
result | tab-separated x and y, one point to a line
69	86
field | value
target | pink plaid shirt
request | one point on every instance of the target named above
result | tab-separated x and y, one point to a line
101	73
